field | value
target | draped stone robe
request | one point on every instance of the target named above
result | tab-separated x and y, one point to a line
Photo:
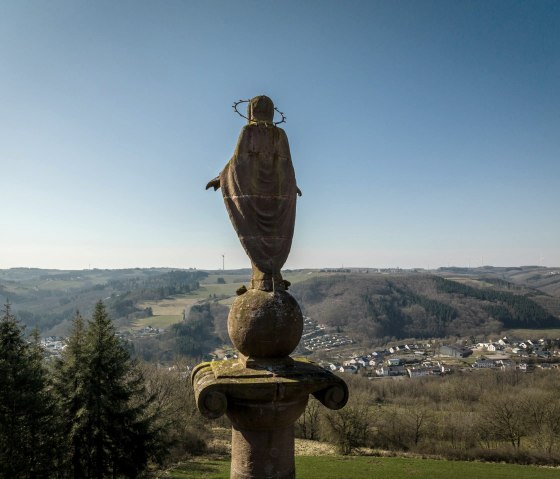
259	189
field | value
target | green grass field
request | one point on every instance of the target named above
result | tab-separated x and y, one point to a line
209	287
337	467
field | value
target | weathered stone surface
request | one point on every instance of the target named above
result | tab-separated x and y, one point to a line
259	190
263	402
263	454
270	382
265	324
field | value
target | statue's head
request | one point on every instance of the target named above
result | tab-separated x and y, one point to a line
260	109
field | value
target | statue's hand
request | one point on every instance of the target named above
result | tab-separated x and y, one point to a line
298	191
214	183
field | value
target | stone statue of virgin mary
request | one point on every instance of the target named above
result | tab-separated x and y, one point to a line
259	189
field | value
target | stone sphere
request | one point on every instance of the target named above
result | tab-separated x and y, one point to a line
264	324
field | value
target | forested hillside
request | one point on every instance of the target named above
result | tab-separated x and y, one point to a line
374	306
48	299
378	306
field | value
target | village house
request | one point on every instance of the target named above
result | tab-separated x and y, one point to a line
425	371
363	362
484	363
391	371
455	351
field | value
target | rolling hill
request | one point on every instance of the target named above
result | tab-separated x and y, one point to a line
379	306
368	305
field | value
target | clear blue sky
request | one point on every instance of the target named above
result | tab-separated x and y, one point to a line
423	133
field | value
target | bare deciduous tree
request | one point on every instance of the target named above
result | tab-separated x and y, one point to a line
308	423
349	427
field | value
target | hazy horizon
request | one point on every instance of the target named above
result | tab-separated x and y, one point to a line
423	134
332	267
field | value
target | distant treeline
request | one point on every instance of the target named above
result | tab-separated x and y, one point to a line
45	308
512	310
159	287
45	320
204	329
392	310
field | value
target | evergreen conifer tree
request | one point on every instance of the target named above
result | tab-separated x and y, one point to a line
70	385
28	418
109	432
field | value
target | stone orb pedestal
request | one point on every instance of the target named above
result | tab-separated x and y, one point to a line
264	324
265	390
263	402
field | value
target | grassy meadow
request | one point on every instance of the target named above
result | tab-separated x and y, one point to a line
166	311
170	310
359	467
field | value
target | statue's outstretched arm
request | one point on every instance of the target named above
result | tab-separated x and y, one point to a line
214	183
299	193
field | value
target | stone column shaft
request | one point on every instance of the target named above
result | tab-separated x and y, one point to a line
264	454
